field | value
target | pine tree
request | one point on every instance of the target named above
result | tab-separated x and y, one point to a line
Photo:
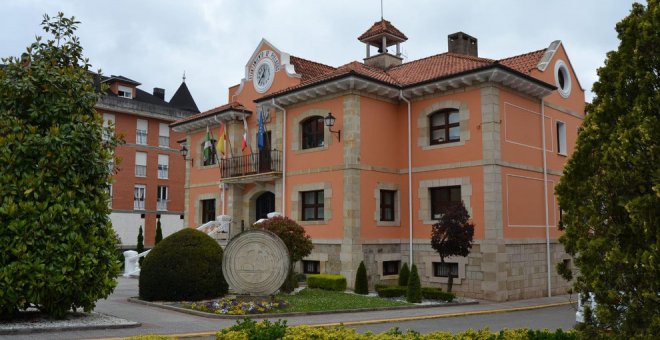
414	291
159	232
361	281
610	191
404	274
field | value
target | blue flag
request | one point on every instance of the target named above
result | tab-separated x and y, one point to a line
262	130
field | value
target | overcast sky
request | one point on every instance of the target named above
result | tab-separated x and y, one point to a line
155	41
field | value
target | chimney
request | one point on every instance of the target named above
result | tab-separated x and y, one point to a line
462	43
159	93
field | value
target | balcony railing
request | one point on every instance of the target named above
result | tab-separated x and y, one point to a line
256	163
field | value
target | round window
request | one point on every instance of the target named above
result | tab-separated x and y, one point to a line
562	79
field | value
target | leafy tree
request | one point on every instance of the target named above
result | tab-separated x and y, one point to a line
403	275
452	236
159	232
610	191
361	280
140	244
58	242
297	242
414	291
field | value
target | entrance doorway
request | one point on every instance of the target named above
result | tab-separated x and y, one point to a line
265	204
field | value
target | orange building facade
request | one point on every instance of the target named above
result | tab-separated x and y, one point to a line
148	180
408	138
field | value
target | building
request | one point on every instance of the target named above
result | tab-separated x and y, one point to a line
406	138
149	178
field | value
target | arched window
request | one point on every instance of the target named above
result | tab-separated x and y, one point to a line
209	157
445	127
312	132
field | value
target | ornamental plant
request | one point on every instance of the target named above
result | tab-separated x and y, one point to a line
414	292
58	243
452	235
140	244
404	273
159	232
361	281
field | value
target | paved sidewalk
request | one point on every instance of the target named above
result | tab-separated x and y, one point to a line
161	321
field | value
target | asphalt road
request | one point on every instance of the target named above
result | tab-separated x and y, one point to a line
551	318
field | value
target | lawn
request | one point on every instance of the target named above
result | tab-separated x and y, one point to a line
310	300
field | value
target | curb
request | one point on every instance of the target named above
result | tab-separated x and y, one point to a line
20	331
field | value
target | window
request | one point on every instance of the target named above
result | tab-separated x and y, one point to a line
211	158
312	132
163	166
125	92
387	205
208	210
311	267
445	127
312	205
108	125
442	269
141	132
164	135
161	199
562	79
441	198
561	138
140	164
139	192
391	267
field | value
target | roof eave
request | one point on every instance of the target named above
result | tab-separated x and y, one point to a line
209	119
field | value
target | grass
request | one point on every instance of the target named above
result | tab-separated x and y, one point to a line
311	300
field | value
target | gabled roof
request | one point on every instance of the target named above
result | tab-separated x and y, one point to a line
524	63
382	27
309	69
182	99
122	79
437	66
231	107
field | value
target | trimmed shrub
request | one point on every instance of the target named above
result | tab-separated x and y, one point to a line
250	329
404	274
414	292
391	291
186	265
140	245
430	293
159	232
327	282
361	281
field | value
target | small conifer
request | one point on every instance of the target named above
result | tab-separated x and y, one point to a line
403	275
414	292
361	281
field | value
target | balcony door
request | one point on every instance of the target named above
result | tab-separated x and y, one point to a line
264	155
265	204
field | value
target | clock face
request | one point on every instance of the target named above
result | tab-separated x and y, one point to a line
264	72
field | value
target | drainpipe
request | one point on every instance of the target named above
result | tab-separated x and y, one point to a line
283	156
545	196
410	219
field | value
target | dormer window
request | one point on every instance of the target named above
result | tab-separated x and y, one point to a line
125	92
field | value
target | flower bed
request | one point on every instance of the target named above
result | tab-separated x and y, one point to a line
234	306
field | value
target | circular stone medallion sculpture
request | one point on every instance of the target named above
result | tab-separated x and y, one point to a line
255	262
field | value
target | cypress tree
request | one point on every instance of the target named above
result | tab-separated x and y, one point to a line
414	291
361	281
159	232
140	244
404	274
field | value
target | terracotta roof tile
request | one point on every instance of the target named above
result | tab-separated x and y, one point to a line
524	63
233	106
382	26
309	69
436	66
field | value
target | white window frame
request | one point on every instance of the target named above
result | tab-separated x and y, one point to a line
140	164
561	138
124	92
163	166
139	195
142	131
161	200
163	135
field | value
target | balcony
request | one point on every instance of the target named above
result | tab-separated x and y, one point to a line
257	167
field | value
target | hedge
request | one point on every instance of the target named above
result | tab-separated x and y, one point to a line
430	293
327	282
391	291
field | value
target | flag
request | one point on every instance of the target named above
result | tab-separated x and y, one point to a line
245	134
207	145
221	141
262	131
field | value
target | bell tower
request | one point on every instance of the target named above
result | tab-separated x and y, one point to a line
381	36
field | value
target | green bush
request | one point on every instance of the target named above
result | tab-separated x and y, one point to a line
361	281
58	246
250	329
414	292
404	274
391	291
186	265
327	282
159	232
430	293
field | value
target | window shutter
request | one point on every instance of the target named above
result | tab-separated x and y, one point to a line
141	158
163	160
164	130
142	124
